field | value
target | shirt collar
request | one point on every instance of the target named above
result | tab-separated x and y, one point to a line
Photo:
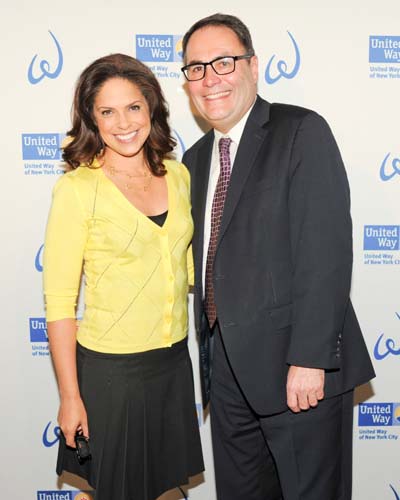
235	133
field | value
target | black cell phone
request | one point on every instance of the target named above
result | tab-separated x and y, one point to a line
82	448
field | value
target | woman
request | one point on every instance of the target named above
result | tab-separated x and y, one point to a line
122	215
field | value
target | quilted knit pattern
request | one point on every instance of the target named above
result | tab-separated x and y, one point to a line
136	280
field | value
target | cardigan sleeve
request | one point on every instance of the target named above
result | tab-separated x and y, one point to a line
190	266
189	258
65	241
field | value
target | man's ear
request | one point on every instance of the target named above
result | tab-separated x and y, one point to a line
254	68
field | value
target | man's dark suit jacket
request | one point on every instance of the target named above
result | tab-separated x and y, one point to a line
283	264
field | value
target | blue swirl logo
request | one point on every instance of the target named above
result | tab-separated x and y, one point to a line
396	495
185	495
44	66
180	144
48	442
385	348
388	172
39	259
282	70
389	347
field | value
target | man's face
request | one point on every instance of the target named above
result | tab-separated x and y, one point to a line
221	99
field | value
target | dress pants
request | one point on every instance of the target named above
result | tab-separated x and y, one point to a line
286	456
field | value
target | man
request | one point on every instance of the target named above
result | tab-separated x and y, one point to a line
281	349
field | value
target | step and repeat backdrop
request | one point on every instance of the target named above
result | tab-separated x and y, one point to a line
341	59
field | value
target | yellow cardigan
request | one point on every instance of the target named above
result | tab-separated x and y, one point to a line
136	272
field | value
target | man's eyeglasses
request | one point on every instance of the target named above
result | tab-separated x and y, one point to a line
221	65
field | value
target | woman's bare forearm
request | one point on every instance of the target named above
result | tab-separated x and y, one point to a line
72	414
62	340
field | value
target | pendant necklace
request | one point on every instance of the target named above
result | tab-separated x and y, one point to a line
147	176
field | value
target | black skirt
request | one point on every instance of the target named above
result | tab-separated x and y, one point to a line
144	435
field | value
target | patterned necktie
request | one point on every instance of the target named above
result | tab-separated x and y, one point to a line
216	216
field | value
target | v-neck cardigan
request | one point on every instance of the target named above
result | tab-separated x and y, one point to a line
135	272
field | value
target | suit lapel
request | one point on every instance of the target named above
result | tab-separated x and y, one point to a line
252	138
200	174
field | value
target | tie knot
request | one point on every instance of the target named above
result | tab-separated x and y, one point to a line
224	144
225	157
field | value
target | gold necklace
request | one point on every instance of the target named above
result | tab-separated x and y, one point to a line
147	175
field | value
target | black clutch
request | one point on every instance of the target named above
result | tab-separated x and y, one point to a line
82	448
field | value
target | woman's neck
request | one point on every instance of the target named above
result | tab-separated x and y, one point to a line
130	164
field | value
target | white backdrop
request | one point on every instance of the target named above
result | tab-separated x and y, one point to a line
342	59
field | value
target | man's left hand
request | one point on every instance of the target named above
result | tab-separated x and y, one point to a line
304	388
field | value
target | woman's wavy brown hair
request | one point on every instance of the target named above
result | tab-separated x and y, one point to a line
86	142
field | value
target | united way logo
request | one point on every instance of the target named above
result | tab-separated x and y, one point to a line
38	329
384	49
390	168
159	48
38	337
65	495
384	57
378	414
386	346
37	71
277	69
381	237
380	245
51	435
41	154
42	146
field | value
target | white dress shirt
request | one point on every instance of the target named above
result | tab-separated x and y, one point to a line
235	134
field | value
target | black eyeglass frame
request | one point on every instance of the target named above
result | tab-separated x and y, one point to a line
235	58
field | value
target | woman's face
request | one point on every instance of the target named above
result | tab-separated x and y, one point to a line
122	116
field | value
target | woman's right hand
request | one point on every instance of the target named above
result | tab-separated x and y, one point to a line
72	413
72	418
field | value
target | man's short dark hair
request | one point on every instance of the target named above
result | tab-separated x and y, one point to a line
231	22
